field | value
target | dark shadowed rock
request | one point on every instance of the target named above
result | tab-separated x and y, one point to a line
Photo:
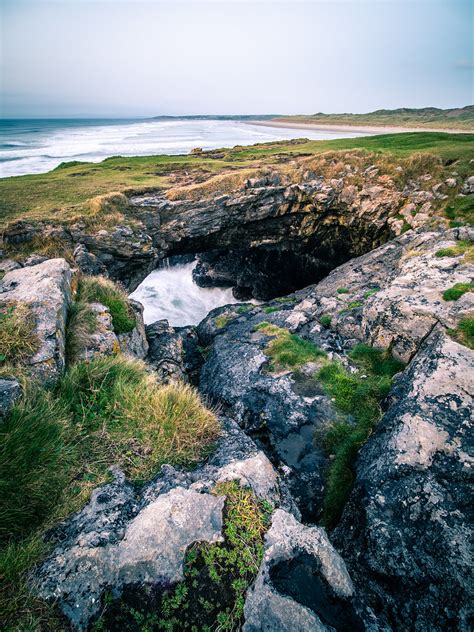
406	529
10	392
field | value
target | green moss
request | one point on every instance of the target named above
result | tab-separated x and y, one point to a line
370	293
223	320
342	290
104	291
357	397
243	309
325	320
216	576
288	351
464	333
271	308
459	289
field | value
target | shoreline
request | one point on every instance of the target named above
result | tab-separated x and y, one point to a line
365	129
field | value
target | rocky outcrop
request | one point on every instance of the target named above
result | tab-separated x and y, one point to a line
173	352
405	532
46	290
303	584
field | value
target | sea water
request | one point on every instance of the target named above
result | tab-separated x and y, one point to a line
37	146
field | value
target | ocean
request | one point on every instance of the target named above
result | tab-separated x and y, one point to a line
37	146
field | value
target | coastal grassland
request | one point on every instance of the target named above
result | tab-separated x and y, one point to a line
57	445
216	576
95	193
455	118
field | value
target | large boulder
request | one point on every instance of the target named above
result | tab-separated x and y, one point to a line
46	290
303	584
405	531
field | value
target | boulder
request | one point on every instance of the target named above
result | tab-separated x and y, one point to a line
46	289
406	528
303	584
173	352
468	186
134	343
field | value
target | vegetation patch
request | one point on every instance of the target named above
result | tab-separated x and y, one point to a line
460	211
56	446
81	324
288	351
325	320
459	289
357	396
342	290
271	308
370	293
95	289
18	340
216	577
222	320
454	251
464	333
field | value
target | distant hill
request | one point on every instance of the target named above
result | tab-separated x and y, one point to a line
218	117
429	117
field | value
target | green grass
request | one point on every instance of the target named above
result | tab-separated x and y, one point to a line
76	190
357	397
216	576
342	290
81	324
101	290
325	320
460	248
18	340
457	118
288	351
370	293
56	446
464	333
271	308
460	210
459	289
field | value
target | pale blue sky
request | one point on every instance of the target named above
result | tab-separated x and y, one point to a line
135	58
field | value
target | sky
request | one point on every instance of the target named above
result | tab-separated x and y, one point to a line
112	58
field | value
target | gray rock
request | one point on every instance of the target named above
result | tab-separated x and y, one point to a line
103	342
173	352
134	343
405	531
7	265
34	260
10	392
468	186
303	584
88	262
46	289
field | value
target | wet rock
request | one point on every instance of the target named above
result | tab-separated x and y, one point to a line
10	392
405	531
173	352
303	584
46	289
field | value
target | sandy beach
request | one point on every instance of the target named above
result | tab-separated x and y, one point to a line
363	129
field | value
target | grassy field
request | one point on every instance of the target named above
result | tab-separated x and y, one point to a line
78	190
434	118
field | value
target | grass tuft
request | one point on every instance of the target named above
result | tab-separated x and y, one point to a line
82	323
101	290
342	290
459	289
325	320
454	251
357	396
18	340
464	333
286	350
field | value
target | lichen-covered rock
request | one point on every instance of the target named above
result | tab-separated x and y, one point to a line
46	289
134	343
303	584
468	186
406	529
138	536
103	341
88	262
10	392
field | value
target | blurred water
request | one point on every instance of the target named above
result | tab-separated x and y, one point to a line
170	293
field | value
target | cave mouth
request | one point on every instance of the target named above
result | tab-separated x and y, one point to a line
185	288
265	273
